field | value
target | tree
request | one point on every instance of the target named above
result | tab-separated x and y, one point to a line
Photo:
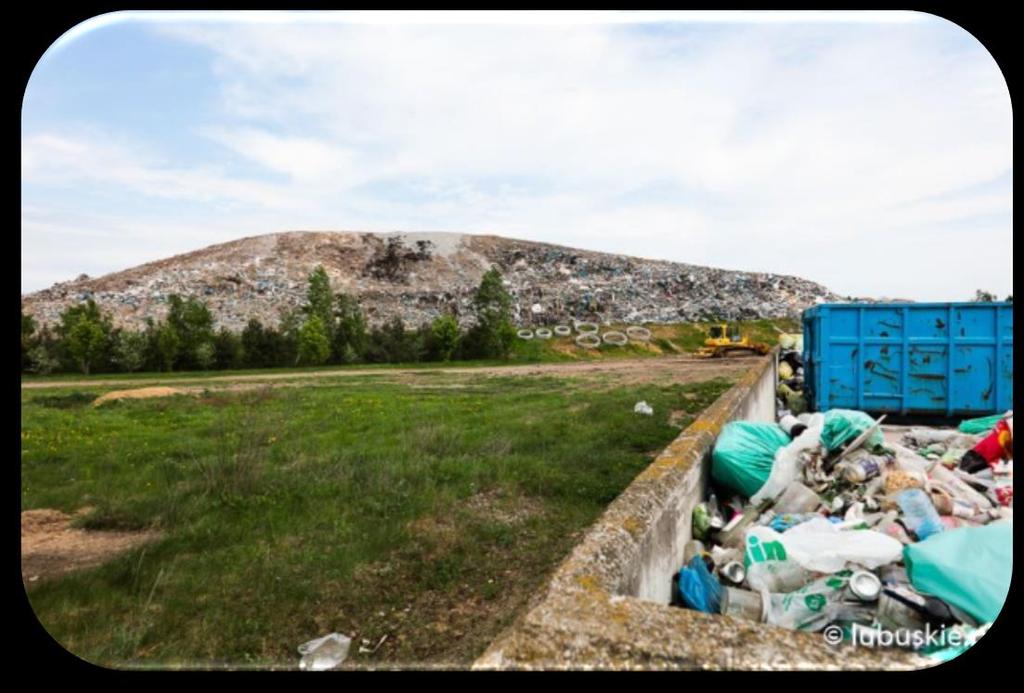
227	347
254	345
168	344
205	355
85	335
493	334
129	351
349	344
42	360
320	300
193	323
28	328
314	346
283	342
445	330
983	296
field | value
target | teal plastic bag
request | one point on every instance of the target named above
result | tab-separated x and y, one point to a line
969	567
981	425
744	453
844	425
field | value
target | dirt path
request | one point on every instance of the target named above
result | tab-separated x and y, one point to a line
668	368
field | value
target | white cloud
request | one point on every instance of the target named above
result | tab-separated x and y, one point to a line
771	147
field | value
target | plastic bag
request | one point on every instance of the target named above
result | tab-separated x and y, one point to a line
785	371
768	565
643	408
811	607
786	465
843	425
698	588
983	424
324	653
821	546
744	453
968	567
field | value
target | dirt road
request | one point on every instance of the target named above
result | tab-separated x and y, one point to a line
680	369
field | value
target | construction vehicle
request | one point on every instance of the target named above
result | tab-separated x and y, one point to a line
725	340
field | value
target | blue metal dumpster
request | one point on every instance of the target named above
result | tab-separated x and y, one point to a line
910	358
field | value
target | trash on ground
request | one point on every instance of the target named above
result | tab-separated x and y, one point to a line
643	408
982	424
837	519
324	653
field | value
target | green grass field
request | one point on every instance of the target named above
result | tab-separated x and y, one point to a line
427	511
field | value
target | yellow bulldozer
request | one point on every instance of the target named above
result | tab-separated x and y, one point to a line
725	340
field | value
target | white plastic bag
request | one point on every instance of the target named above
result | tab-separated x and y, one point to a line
819	545
643	408
769	566
787	464
811	607
324	653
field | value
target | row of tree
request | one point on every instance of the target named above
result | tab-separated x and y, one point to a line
329	328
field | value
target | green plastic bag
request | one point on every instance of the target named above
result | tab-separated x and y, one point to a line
844	425
744	453
982	425
969	567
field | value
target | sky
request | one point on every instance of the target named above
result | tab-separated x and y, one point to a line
871	152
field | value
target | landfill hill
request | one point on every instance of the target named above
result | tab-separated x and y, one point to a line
418	276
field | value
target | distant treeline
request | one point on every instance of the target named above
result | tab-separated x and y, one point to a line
328	329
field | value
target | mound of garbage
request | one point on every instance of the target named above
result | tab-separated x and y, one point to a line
419	276
880	535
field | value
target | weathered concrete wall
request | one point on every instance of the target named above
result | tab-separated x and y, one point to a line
661	552
607	604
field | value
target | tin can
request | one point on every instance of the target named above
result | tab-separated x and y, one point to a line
865	586
734	572
743	604
693	548
863	468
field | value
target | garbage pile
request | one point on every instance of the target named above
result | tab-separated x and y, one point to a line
419	276
790	390
831	522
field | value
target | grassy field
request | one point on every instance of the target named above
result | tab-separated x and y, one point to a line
678	338
428	511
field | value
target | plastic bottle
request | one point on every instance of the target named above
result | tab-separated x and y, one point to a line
919	514
797	498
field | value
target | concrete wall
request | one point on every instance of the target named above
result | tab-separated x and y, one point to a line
661	552
606	606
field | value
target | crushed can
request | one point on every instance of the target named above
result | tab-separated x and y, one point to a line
733	572
743	604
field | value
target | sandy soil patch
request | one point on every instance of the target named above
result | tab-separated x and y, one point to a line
51	547
139	393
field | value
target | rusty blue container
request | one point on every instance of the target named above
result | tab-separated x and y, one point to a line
910	358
